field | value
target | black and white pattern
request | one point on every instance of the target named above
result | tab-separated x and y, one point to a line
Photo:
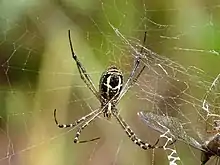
111	90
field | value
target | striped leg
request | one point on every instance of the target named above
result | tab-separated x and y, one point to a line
132	77
74	123
132	135
83	74
76	139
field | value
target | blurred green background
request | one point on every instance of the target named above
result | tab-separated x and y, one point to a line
38	75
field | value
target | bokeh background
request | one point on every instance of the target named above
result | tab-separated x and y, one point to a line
38	75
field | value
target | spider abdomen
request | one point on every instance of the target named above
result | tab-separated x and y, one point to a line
110	84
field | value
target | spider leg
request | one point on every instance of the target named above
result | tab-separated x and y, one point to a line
76	139
136	78
74	123
83	74
145	37
132	78
132	135
90	140
161	146
142	69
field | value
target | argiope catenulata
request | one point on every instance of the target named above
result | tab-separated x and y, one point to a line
111	90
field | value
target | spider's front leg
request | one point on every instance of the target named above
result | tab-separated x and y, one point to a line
82	71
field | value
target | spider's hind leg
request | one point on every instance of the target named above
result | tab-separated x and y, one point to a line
76	139
131	134
75	123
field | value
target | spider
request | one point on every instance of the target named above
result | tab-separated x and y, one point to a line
111	90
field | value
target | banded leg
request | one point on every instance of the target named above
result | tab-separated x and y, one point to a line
82	71
136	65
142	69
136	78
132	79
132	135
74	123
76	139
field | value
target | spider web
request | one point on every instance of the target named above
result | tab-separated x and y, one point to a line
38	75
